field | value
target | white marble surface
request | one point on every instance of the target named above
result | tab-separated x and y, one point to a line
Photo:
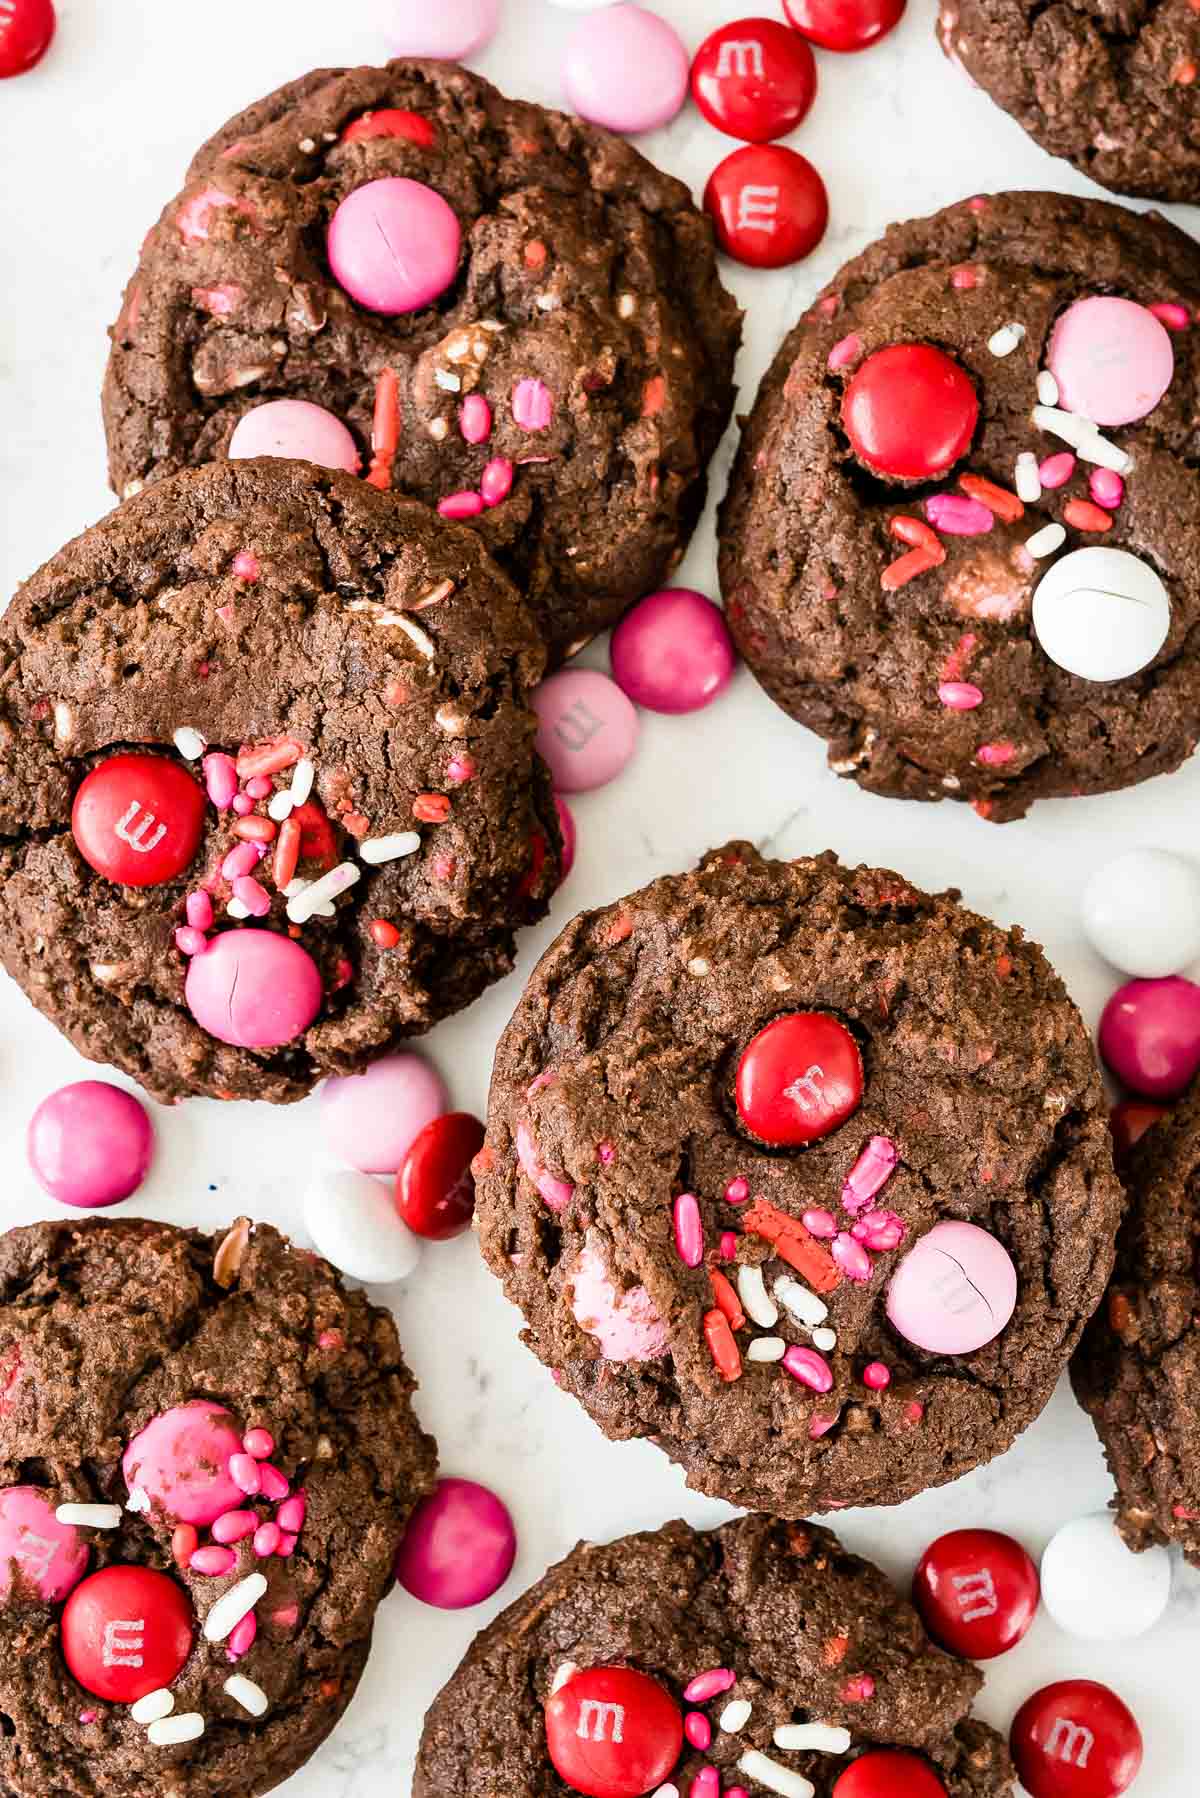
91	147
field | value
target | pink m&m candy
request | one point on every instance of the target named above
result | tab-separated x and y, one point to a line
627	69
1150	1035
1112	360
90	1144
253	989
673	652
393	245
179	1464
38	1554
447	29
587	729
371	1120
459	1546
954	1291
297	430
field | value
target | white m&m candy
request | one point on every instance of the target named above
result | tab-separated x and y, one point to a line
1102	614
354	1224
1099	1590
1141	912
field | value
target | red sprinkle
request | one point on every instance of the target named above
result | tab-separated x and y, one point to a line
385	430
999	500
793	1244
270	758
256	830
963	278
287	852
858	1689
918	561
654	395
431	808
727	1299
917	534
721	1346
1084	516
384	933
185	1540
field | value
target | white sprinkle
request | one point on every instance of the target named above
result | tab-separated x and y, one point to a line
757	1300
457	347
767	1348
490	324
235	909
303	775
1047	388
666	1791
626	306
64	721
735	1716
1046	541
451	720
567	1670
548	302
1027	480
131	489
449	383
190	744
91	1517
138	1500
1068	425
779	1779
439	430
416	635
825	1740
153	1706
804	1305
1104	454
245	1692
1004	341
951	782
184	1728
308	145
280	806
232	1606
377	850
323	891
434	597
825	1340
698	966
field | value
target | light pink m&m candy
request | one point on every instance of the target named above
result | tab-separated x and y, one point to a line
1112	360
673	652
587	729
90	1144
459	1546
393	245
179	1464
253	989
447	29
954	1291
627	69
297	430
371	1120
1150	1035
38	1554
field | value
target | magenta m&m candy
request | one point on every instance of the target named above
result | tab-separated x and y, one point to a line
566	823
587	729
253	989
393	245
90	1144
910	411
178	1465
627	69
889	1773
297	430
613	1732
673	651
40	1558
754	79
137	819
1112	359
768	205
26	31
371	1120
954	1291
435	1188
459	1546
844	25
447	29
1076	1739
798	1079
1150	1035
977	1592
127	1631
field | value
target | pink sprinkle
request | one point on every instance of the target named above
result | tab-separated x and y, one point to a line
87	1716
245	1474
858	1689
820	1426
729	1245
330	1339
460	769
199	911
960	695
1057	470
213	1561
914	1411
709	1685
243	805
877	1376
698	1730
260	787
1184	1515
707	1784
870	1173
848	350
977	204
538	1084
234	1526
220	780
495	483
1173	316
291	1514
475	418
532	405
287	1616
994	755
829	304
881	1231
851	1257
1106	488
287	1547
271	1483
963	278
606	1154
461	505
820	1223
259	1443
227	615
239	861
443	867
960	655
246	565
957	516
190	942
253	895
689	1230
267	1538
738	1191
241	1636
736	1792
811	1369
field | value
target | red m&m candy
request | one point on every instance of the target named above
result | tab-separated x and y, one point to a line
754	79
910	411
889	1773
799	1079
435	1188
1129	1121
613	1733
844	24
390	121
768	204
977	1592
26	28
127	1631
137	819
1076	1739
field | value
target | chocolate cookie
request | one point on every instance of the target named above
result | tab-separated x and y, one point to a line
803	1174
207	1458
1137	1367
560	376
799	1658
1109	89
960	541
264	695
